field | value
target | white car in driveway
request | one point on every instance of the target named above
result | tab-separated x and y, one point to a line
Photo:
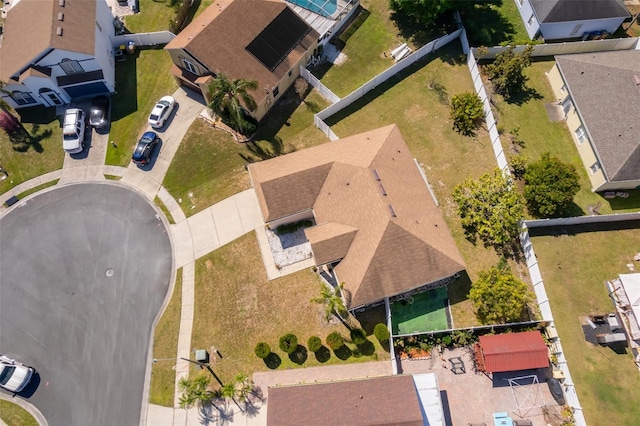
13	375
161	111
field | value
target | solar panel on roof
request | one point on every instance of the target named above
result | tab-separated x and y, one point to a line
279	38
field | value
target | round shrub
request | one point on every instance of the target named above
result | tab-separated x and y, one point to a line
314	344
289	343
447	340
381	332
358	336
262	350
334	340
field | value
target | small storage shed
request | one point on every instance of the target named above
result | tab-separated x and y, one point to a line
511	352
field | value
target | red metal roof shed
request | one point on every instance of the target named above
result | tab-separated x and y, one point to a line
514	351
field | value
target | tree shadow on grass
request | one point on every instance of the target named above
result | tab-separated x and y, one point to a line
272	361
486	26
323	354
367	348
421	33
523	96
299	356
343	352
22	141
446	54
459	289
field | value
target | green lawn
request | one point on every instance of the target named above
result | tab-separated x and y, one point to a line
288	127
155	15
574	268
14	415
141	80
32	154
372	34
165	348
236	307
529	117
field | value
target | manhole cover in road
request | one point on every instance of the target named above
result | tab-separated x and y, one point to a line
109	272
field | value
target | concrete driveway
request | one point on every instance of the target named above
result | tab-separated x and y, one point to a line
149	178
84	270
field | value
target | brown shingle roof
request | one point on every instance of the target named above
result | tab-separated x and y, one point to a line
219	36
30	30
330	241
361	182
607	98
391	400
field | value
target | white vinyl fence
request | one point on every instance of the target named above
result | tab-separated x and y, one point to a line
144	39
582	220
545	310
564	48
489	118
324	90
378	80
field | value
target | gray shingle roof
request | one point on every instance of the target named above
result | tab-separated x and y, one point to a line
549	11
607	98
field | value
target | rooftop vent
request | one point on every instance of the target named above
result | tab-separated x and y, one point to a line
392	212
61	3
59	31
60	16
376	175
636	78
383	190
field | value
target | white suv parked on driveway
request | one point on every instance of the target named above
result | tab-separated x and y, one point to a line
73	130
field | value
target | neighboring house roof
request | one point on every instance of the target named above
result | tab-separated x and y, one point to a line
548	11
372	209
390	400
605	92
30	30
514	352
224	36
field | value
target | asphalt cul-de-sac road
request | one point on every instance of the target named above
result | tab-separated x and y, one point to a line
84	270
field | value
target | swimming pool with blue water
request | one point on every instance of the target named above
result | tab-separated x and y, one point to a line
322	7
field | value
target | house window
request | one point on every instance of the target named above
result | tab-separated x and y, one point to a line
575	30
581	135
71	67
276	91
530	21
594	167
190	66
22	98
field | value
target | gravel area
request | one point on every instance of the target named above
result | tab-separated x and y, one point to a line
290	248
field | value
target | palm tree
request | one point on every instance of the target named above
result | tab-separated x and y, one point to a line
331	298
227	99
229	392
194	391
244	387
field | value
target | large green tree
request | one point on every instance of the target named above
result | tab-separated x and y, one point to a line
550	186
490	209
229	98
498	297
506	72
466	112
424	11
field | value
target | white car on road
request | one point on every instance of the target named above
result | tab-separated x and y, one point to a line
161	111
13	375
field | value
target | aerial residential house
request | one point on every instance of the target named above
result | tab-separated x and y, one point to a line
388	400
377	226
565	19
262	40
600	97
55	51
